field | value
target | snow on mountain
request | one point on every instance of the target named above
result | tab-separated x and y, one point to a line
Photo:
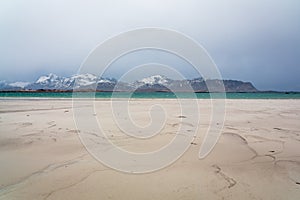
50	81
77	81
104	80
4	85
156	79
86	77
19	84
152	83
83	80
2	82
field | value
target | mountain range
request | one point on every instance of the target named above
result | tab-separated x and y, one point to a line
156	83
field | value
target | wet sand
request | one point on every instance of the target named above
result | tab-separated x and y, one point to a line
256	157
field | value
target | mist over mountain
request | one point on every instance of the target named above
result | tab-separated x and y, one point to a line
156	83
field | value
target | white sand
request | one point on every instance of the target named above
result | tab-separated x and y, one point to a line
257	156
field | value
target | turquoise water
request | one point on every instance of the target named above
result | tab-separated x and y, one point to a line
164	95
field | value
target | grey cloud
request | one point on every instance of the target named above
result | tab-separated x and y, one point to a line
256	40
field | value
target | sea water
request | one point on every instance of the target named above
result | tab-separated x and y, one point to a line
152	95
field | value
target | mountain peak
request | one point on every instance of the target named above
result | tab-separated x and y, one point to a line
155	79
47	78
85	76
19	84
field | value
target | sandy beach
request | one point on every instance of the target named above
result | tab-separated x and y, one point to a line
256	157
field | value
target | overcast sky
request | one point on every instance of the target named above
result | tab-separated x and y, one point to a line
249	40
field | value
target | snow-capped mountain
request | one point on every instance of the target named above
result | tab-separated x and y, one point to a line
77	81
13	86
19	84
51	81
152	80
83	80
151	83
3	84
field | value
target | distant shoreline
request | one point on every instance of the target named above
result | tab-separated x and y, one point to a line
147	95
156	91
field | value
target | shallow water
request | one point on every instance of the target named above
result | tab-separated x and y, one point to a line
164	95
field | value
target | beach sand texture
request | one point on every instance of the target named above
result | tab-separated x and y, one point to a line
256	157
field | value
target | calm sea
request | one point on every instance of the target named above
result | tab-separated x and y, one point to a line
164	95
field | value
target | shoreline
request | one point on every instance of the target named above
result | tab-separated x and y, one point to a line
154	91
136	99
